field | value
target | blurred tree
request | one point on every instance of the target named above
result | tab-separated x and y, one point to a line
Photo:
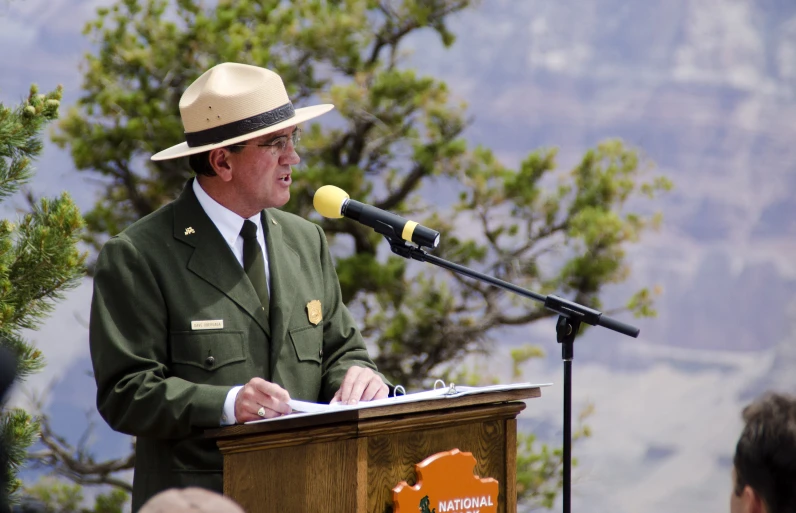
52	496
39	259
540	468
395	142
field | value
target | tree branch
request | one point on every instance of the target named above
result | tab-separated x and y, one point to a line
356	231
387	37
409	183
75	463
128	179
125	178
526	318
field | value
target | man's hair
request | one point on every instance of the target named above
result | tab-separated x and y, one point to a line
190	500
765	457
200	162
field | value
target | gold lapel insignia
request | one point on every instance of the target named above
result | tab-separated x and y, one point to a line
314	311
189	231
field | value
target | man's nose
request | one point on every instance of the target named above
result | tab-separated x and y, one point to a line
290	156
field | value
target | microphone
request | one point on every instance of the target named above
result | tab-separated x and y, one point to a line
333	202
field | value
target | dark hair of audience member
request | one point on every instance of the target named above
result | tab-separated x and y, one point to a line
765	456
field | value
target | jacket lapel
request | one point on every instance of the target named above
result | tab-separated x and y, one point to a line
283	262
212	259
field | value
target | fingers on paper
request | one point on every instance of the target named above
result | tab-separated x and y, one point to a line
257	394
360	384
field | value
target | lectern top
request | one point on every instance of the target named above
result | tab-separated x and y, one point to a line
352	416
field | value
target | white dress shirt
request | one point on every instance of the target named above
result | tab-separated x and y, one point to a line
229	225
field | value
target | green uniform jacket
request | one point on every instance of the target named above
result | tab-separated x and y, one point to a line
164	381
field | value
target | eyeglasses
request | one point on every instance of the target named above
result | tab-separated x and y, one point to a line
278	145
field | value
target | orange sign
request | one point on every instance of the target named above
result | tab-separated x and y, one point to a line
446	484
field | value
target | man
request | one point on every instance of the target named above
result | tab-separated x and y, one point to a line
764	473
219	308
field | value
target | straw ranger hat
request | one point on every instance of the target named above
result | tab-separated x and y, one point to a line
231	103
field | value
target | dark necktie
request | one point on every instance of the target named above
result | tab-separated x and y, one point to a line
253	261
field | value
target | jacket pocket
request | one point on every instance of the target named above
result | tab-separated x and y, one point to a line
208	350
308	342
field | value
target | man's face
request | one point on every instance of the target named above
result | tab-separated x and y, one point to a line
261	174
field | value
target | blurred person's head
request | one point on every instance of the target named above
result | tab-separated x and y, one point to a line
764	473
190	500
8	372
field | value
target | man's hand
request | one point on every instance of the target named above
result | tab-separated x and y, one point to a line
360	384
260	394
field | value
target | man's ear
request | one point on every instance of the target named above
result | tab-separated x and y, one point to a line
752	502
219	161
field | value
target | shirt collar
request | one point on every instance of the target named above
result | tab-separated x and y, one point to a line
227	222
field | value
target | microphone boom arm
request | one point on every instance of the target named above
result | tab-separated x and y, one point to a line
561	306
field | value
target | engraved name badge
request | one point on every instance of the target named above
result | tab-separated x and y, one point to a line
207	325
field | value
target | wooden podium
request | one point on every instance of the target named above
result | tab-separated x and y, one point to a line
349	461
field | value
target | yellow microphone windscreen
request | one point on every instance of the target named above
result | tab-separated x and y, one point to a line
328	201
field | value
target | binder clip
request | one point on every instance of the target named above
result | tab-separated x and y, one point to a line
395	390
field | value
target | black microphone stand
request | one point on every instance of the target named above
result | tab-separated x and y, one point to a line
570	316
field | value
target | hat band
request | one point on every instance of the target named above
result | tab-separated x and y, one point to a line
237	128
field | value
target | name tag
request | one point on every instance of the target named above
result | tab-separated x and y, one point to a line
207	325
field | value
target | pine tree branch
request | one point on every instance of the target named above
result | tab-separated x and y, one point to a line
547	232
391	35
358	232
526	318
33	306
418	172
75	463
469	283
358	141
128	180
408	185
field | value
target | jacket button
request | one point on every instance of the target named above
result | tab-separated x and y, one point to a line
210	361
320	353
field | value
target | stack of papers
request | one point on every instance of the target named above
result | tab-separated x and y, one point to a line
302	408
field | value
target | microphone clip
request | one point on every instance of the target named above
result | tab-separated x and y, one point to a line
405	250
